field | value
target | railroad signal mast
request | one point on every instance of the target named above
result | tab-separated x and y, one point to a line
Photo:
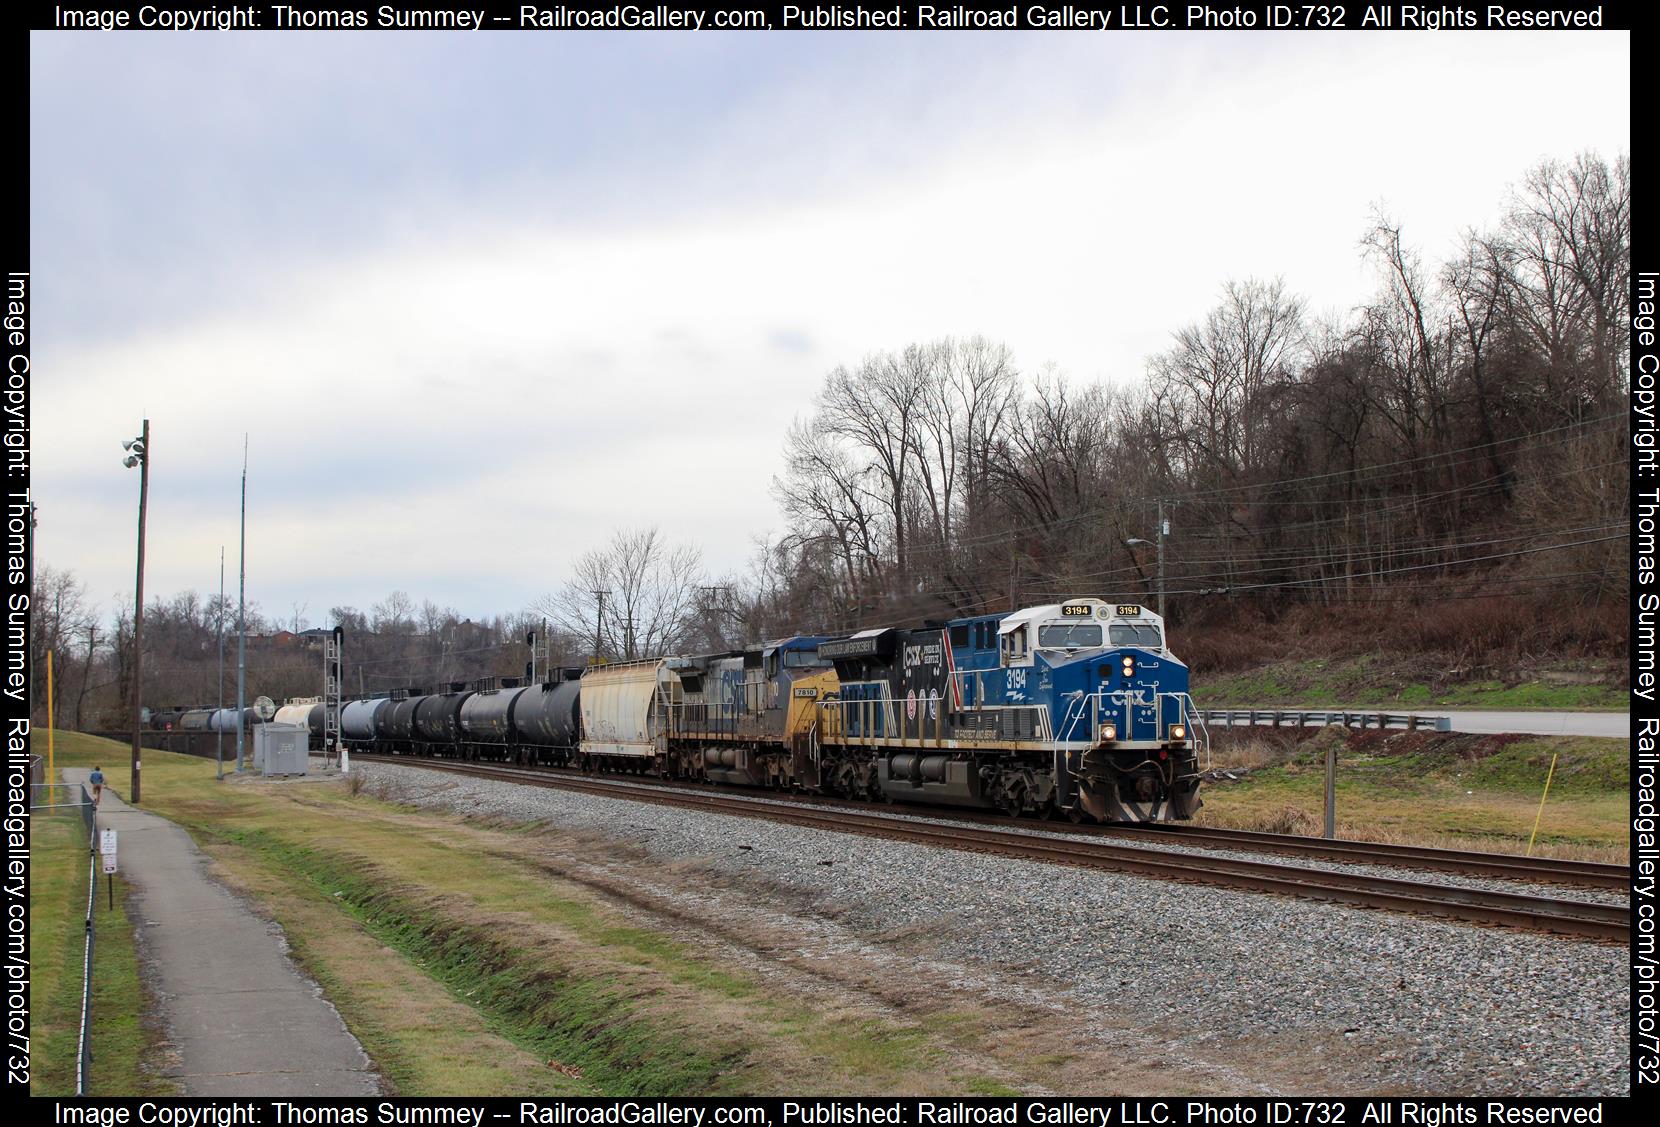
331	701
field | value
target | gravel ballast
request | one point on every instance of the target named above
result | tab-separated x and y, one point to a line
1432	1006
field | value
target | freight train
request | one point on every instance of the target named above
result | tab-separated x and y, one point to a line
1074	709
213	719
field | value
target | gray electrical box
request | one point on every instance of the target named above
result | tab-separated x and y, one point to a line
281	749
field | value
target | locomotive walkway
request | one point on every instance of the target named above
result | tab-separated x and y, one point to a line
241	1018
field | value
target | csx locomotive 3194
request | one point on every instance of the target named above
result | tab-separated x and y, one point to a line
1074	709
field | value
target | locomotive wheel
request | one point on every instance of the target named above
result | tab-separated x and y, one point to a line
1013	800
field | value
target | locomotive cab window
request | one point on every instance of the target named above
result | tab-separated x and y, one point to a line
1069	636
1143	634
1014	644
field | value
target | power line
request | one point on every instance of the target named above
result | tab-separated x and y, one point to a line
1363	475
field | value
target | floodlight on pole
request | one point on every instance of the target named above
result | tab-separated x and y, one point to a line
1164	530
138	456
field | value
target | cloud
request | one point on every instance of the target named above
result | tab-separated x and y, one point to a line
456	385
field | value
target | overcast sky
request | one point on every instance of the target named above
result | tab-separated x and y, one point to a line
479	299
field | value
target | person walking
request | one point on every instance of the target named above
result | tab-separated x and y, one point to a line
97	781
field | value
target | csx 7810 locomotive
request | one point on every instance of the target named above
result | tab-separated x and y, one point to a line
1074	709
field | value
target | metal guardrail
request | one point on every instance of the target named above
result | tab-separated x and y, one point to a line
1302	718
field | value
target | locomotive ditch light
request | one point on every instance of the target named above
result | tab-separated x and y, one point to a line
1109	732
1178	731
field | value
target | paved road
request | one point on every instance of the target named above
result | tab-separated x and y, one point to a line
242	1019
1616	724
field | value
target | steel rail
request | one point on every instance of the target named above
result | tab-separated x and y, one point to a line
1532	870
1544	870
1565	917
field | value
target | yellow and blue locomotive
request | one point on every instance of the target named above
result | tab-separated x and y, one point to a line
1076	709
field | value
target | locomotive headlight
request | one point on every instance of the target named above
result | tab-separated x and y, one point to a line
1129	665
1178	731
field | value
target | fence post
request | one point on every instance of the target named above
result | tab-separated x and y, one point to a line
1331	789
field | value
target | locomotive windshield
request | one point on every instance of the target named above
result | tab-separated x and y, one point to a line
1134	634
1070	636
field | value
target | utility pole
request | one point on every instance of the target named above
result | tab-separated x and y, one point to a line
725	607
242	612
1164	530
530	640
599	619
219	733
139	455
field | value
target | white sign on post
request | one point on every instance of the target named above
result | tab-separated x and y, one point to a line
106	846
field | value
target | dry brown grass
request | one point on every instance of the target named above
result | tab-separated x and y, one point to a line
1248	752
1309	820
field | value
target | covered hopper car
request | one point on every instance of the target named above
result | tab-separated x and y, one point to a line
1074	709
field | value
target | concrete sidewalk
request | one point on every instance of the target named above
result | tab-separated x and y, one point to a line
243	1020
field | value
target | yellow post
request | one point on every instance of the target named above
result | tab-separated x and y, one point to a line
1548	776
51	771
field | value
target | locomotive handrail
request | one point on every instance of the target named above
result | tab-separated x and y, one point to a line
1117	703
1074	713
885	708
1197	730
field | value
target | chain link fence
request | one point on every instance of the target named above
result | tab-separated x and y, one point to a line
56	799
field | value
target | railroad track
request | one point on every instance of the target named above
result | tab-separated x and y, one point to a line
1563	917
1532	870
1535	870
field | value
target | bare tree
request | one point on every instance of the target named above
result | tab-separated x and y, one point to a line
394	614
1224	370
824	495
637	596
876	407
60	615
1568	241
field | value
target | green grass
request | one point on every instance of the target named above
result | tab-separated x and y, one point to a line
554	1010
121	1043
466	964
1371	682
1457	790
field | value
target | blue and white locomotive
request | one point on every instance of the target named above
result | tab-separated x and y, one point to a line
1076	709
